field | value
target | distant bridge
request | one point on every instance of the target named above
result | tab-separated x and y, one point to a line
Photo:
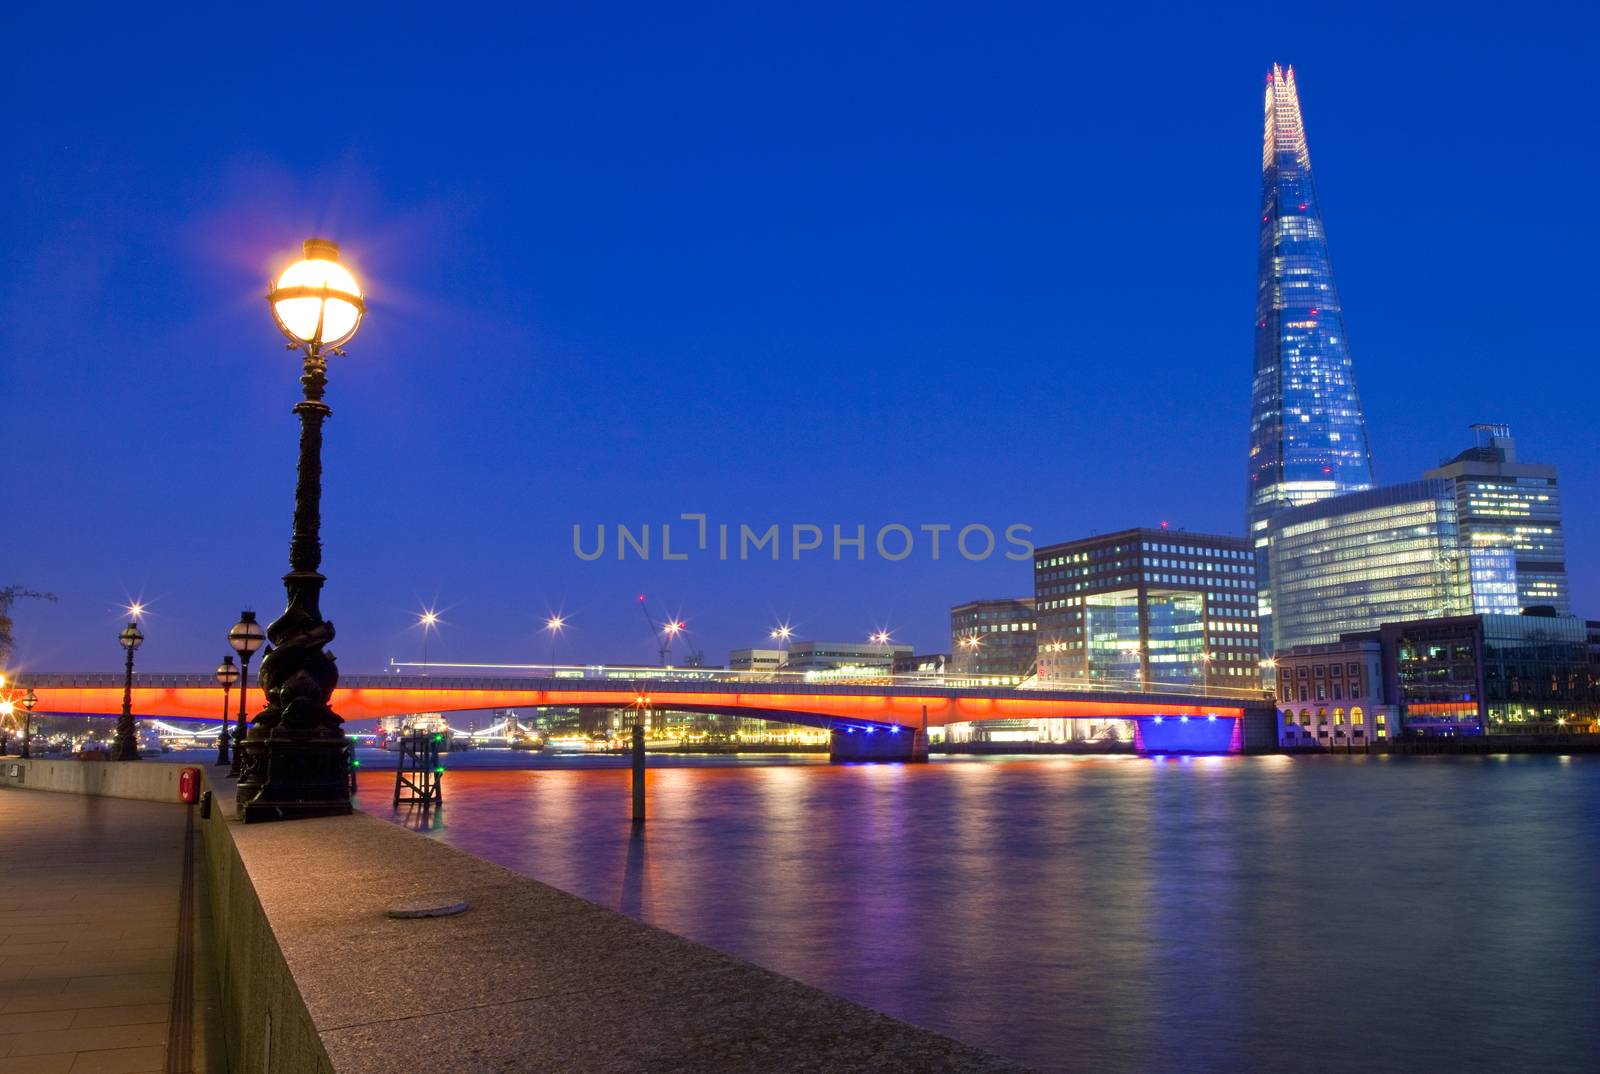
1165	719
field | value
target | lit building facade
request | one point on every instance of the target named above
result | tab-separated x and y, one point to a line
992	642
1384	555
757	660
1506	505
1308	436
924	665
844	659
1148	605
1492	674
1332	697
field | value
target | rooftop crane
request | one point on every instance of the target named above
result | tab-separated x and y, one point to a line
666	630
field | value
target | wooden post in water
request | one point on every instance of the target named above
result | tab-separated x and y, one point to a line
638	769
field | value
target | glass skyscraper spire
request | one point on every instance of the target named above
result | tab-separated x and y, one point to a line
1308	438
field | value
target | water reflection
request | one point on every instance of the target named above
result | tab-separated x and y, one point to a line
1341	914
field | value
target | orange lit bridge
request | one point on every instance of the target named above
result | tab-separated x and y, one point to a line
867	719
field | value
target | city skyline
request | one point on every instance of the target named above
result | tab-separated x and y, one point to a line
484	387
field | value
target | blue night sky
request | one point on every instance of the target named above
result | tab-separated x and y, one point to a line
976	263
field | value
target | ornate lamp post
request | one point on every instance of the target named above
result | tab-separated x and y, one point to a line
227	675
294	758
127	747
245	637
29	701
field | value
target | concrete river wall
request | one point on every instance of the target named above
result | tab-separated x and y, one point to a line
314	975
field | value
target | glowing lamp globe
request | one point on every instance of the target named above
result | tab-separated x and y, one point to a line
316	302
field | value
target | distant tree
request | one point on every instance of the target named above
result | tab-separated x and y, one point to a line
9	596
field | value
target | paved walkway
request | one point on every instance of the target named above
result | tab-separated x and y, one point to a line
98	973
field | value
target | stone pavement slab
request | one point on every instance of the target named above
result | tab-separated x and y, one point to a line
90	933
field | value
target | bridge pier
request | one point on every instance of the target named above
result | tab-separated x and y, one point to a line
858	743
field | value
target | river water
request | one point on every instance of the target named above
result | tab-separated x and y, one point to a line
1110	914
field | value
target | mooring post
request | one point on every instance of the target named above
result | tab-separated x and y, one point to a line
638	770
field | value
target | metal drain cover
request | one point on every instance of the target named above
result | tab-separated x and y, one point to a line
427	907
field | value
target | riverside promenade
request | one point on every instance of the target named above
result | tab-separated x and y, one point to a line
312	972
102	961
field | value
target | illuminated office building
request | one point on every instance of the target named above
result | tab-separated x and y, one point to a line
1308	437
992	641
826	660
1148	605
1383	555
1502	503
1492	674
757	660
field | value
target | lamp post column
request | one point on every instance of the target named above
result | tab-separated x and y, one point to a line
227	675
245	638
222	732
29	700
242	727
294	760
127	747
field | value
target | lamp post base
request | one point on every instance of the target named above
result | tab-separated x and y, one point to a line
286	774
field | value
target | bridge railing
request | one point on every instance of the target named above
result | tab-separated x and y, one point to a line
548	677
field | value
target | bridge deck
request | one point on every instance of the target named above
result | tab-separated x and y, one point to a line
361	697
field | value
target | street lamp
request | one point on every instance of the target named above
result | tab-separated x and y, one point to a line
127	747
245	637
295	756
428	619
555	624
227	675
29	700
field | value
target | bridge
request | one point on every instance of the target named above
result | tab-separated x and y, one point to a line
885	718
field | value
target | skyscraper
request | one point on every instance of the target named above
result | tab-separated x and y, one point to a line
1308	438
1502	503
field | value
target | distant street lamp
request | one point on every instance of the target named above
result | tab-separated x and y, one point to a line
29	700
245	638
227	675
429	621
555	624
127	747
296	757
880	638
